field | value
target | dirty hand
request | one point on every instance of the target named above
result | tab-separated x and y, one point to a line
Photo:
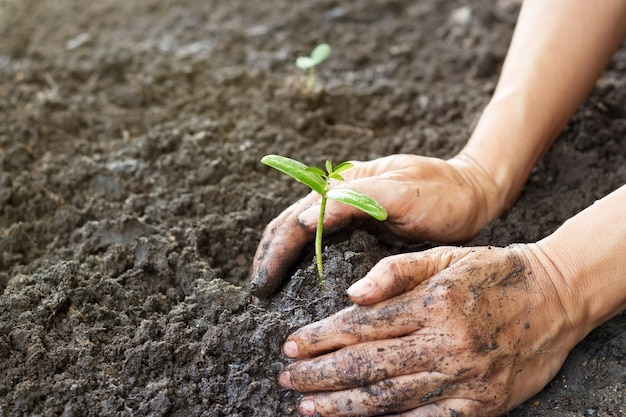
445	332
426	198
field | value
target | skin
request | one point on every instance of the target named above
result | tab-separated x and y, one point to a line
548	71
455	216
436	333
463	331
436	345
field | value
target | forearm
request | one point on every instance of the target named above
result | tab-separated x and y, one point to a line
557	53
588	257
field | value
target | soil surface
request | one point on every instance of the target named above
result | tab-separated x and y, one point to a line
132	197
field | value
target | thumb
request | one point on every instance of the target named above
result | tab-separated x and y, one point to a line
397	274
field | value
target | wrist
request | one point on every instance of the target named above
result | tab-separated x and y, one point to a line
586	255
488	194
507	142
555	280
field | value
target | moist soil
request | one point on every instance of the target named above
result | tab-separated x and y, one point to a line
132	197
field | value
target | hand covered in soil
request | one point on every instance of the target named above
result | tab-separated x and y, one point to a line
445	332
426	198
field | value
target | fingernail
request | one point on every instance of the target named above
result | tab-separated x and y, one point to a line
361	288
309	217
306	408
285	380
290	348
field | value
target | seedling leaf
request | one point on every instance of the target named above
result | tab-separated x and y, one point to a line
336	176
343	167
320	53
359	201
305	62
317	171
296	170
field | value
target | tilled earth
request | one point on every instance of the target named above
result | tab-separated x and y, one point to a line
132	197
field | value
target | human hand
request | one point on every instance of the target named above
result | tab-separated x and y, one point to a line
445	332
426	199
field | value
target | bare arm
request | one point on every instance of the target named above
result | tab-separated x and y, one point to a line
558	51
455	303
589	251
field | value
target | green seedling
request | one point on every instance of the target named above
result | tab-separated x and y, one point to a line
308	63
318	180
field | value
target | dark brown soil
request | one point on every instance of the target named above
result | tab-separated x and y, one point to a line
132	197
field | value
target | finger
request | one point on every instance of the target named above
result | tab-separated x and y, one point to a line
366	364
388	396
356	324
397	274
452	407
279	248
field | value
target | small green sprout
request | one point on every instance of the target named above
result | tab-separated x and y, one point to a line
318	55
318	180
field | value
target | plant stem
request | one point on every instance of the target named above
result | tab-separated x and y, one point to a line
310	82
318	240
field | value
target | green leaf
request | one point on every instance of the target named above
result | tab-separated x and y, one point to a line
360	201
320	53
296	170
305	62
317	171
329	167
336	176
344	166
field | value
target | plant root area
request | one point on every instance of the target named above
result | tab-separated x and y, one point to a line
132	196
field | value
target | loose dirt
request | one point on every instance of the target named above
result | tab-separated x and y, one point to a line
132	197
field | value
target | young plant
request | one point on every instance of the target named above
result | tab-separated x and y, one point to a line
318	180
308	63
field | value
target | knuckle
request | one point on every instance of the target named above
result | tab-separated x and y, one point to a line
400	279
388	396
392	266
354	367
350	325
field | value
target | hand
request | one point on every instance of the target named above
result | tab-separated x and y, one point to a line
473	332
426	198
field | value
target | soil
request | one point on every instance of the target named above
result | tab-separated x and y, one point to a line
132	197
